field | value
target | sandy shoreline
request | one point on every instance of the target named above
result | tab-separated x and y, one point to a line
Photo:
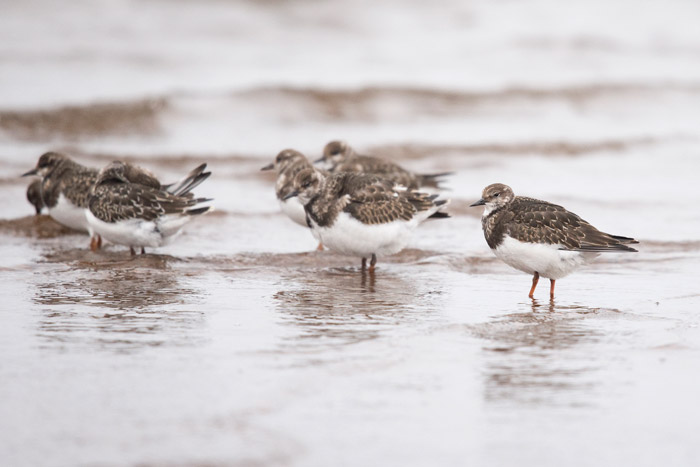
239	345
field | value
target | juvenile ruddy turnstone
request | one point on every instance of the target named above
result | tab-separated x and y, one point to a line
338	156
541	238
288	164
128	205
34	196
65	186
362	215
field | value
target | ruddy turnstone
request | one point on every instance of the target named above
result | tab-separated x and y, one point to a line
541	238
34	196
288	164
361	214
338	156
128	205
65	186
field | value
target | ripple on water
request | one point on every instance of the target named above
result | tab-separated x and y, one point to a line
543	356
117	303
340	306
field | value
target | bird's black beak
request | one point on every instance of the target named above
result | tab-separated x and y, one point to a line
269	166
291	195
31	172
481	202
317	161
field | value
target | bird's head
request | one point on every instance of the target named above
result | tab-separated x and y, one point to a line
307	184
494	196
47	163
335	152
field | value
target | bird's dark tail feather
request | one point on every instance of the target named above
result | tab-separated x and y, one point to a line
624	240
605	248
189	183
439	215
197	211
433	180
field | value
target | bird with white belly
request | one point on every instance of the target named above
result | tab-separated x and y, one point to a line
128	205
541	238
361	214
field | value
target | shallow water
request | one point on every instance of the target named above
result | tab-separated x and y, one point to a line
238	344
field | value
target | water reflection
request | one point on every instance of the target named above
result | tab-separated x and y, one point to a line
341	306
541	356
116	303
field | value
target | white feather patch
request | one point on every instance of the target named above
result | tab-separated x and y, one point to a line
139	232
547	260
68	214
293	208
349	236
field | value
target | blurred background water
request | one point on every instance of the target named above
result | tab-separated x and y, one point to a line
238	345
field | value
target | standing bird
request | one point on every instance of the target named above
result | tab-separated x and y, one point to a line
363	215
340	157
128	205
65	186
541	238
288	164
34	196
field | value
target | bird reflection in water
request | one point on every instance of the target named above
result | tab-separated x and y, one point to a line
367	281
342	306
540	356
122	305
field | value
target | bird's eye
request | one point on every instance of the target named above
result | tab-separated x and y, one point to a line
306	184
496	195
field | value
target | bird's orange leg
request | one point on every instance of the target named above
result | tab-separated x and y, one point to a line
320	246
372	263
551	288
133	252
364	263
535	278
93	244
99	241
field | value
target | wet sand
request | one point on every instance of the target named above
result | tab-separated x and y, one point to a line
240	345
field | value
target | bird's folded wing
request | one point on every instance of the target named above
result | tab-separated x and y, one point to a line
117	202
536	221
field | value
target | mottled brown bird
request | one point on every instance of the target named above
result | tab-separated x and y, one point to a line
541	238
34	196
288	164
340	157
363	215
65	186
128	205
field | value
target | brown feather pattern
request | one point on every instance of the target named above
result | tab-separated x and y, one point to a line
70	179
288	164
122	197
344	159
285	178
34	196
368	198
535	221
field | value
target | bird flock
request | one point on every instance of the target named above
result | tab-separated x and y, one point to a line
354	204
123	203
